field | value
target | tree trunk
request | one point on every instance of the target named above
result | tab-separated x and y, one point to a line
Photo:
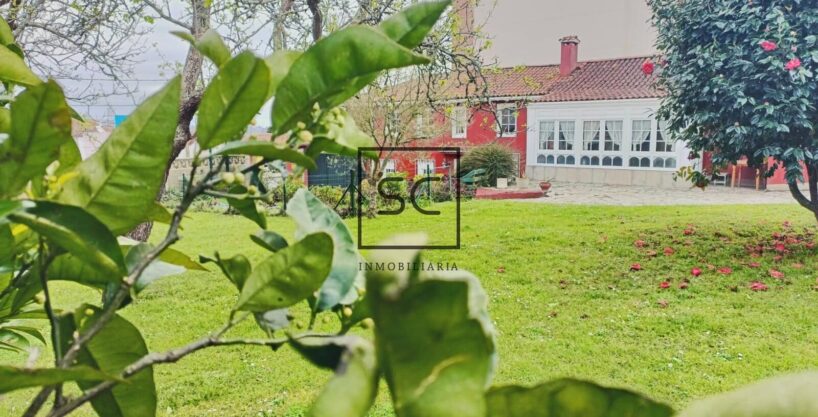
191	96
810	203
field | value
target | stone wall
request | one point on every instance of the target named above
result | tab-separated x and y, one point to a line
650	178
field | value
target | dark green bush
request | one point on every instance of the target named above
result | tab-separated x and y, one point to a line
496	159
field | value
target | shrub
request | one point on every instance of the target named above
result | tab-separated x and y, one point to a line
496	159
291	184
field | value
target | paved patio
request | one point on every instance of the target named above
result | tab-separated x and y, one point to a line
620	195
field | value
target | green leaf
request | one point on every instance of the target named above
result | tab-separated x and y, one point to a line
175	257
273	320
571	398
68	267
116	346
267	150
159	213
12	378
40	125
407	28
118	184
353	388
14	70
75	231
5	120
288	276
6	245
237	269
6	35
35	333
784	396
311	215
246	206
328	66
232	100
279	63
156	270
271	241
210	45
435	340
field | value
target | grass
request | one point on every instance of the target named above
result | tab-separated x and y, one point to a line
562	298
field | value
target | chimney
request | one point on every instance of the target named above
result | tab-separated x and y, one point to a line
568	55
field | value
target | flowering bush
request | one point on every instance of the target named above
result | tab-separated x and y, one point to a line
740	82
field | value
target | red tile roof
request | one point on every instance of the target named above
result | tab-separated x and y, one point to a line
610	79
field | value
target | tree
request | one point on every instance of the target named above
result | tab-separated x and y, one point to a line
740	81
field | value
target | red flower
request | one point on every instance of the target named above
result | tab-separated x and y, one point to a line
793	65
683	285
753	264
758	286
664	285
639	243
648	67
636	267
776	274
777	258
768	46
688	232
725	271
776	235
779	247
696	272
669	251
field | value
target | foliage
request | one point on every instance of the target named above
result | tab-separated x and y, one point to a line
741	82
434	342
496	159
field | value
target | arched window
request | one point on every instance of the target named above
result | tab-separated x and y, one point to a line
634	162
541	159
658	163
670	163
585	161
606	161
644	162
550	160
595	161
617	162
561	160
570	160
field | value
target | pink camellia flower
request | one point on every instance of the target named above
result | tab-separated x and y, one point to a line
688	232
636	267
683	285
779	247
758	286
776	274
669	251
664	285
754	264
810	245
639	243
793	65
696	272
768	46
725	270
648	67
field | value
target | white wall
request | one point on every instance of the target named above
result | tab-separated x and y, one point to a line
526	32
624	110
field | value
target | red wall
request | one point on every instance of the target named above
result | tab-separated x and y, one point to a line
479	132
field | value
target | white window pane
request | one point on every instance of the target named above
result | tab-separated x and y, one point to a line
567	136
590	138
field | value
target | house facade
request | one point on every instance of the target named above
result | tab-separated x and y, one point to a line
591	122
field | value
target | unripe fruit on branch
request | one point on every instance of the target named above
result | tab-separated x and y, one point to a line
367	323
305	136
239	177
347	312
228	178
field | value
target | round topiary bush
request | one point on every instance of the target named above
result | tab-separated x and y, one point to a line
496	159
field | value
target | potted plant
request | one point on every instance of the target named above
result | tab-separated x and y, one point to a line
545	185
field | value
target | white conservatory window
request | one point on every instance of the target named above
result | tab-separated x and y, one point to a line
567	135
590	137
640	141
388	166
613	135
546	135
425	167
663	143
460	121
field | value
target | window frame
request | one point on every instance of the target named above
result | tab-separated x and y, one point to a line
457	117
501	109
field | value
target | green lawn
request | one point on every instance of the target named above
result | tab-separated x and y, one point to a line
562	298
